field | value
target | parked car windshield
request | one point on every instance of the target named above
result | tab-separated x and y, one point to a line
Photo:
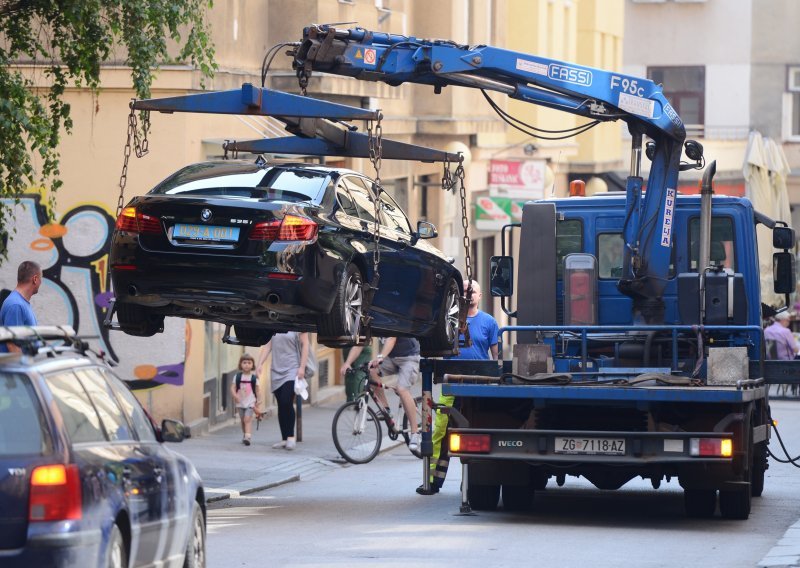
22	429
247	181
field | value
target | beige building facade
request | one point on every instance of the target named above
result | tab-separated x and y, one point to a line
186	371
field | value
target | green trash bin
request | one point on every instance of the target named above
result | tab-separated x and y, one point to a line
353	382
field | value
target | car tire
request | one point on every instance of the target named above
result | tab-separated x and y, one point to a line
443	340
196	543
252	336
138	320
116	553
344	320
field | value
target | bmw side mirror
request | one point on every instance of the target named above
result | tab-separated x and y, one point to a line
501	281
172	430
426	230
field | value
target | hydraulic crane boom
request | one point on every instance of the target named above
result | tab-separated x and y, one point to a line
592	93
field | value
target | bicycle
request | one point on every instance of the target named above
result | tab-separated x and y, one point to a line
356	427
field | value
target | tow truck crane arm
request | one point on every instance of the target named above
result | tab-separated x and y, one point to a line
577	89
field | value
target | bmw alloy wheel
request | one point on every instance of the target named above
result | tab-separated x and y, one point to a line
354	296
452	309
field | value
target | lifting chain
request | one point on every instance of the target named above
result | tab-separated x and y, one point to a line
375	145
140	148
448	184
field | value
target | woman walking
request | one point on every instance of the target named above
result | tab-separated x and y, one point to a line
289	356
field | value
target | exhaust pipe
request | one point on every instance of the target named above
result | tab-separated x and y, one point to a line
133	290
274	299
273	315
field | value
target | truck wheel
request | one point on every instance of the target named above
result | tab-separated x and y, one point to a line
483	497
759	468
700	503
344	320
518	497
735	504
443	340
138	320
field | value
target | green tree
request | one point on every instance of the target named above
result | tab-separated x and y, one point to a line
67	41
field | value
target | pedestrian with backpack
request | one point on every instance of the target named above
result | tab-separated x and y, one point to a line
290	355
244	391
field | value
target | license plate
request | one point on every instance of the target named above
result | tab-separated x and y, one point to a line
205	233
600	446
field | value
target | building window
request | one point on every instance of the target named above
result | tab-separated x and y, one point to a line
685	89
791	113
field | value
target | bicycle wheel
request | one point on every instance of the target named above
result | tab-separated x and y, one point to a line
356	432
407	427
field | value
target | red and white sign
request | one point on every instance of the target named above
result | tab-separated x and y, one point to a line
369	56
521	179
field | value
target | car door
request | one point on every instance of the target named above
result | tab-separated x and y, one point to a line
417	269
142	471
175	498
396	293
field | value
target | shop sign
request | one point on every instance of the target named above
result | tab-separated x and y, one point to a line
491	213
522	179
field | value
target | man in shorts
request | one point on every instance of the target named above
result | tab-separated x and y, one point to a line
399	356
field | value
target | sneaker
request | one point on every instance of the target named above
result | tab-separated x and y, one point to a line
246	441
290	444
433	490
279	445
413	443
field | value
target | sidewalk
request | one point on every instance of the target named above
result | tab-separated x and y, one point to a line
229	468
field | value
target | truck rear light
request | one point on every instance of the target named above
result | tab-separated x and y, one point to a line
290	228
132	221
470	443
55	493
711	447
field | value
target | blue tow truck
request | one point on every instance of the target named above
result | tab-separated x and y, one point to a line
638	349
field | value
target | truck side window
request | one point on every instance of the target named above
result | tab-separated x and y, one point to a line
722	243
569	239
610	255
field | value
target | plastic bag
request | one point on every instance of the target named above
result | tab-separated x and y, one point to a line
301	388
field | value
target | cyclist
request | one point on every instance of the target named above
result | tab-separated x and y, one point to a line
400	356
483	331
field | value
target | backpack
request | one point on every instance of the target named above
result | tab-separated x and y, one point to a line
253	382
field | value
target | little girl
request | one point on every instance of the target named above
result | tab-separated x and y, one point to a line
245	394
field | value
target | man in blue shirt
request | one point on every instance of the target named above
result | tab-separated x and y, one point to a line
483	331
16	309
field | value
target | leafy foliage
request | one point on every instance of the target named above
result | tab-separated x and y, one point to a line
67	41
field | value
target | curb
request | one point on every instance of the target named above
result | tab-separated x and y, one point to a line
215	495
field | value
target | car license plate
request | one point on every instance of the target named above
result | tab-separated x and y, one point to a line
600	446
205	233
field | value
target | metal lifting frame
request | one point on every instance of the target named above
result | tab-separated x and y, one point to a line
318	125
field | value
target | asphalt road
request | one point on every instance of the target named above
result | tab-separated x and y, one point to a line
369	515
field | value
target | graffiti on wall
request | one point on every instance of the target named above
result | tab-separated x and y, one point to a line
76	289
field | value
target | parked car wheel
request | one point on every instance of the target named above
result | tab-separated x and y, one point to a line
252	336
343	323
138	320
196	545
116	555
443	340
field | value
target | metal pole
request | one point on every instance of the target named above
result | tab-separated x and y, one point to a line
426	366
299	419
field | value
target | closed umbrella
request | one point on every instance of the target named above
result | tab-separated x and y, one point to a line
759	189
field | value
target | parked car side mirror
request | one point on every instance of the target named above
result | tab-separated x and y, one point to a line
172	430
783	269
502	276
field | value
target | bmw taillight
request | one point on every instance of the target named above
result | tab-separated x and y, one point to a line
290	228
55	493
132	221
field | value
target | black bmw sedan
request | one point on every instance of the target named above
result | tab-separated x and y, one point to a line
278	247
